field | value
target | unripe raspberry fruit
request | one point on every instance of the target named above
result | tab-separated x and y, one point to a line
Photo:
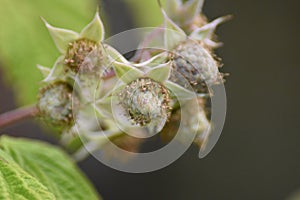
194	63
55	104
145	100
77	52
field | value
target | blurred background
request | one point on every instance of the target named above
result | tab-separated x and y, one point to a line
258	153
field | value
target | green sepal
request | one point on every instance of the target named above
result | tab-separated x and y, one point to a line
193	8
114	55
173	34
61	37
180	92
172	7
206	32
161	73
94	30
126	72
45	71
56	71
154	61
103	107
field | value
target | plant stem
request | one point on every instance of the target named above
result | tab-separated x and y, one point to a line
17	115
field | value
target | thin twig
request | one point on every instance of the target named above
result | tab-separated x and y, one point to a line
17	115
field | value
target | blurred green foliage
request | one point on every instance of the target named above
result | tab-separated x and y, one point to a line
43	166
25	41
146	13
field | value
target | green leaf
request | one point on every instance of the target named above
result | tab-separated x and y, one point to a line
26	42
15	183
61	37
160	73
94	30
126	72
51	166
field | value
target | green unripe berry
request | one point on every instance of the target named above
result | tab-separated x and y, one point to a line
194	63
145	100
55	104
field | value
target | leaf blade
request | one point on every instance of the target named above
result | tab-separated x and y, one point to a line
51	166
15	183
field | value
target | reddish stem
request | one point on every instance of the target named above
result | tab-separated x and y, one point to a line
17	115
